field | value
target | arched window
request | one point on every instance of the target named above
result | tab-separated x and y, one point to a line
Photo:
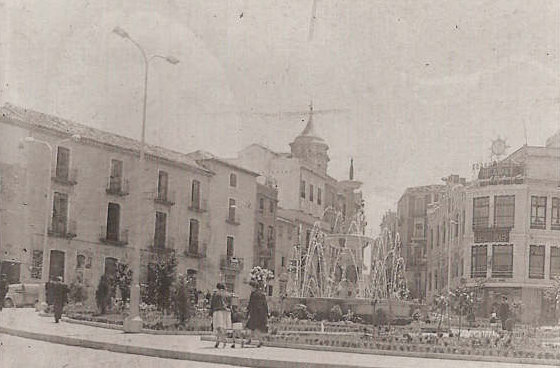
232	180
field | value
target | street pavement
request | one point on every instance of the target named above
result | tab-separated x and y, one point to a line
28	320
17	352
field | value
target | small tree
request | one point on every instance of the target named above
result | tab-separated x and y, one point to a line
103	294
552	293
181	299
123	280
440	303
462	299
160	282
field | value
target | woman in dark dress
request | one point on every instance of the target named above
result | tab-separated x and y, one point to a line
258	312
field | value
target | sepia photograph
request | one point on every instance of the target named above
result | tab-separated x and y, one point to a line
276	184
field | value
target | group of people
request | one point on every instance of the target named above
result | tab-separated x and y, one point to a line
227	316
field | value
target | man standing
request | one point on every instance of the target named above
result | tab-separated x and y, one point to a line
60	298
504	312
3	289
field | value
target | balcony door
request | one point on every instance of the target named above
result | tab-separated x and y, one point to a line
56	265
160	233
113	221
115	181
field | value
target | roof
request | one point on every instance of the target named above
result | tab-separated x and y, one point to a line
37	120
201	156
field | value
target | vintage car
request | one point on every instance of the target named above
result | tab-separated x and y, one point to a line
22	295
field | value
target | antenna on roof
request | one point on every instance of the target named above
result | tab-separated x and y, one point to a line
525	131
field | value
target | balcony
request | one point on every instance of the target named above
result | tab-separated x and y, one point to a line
194	250
502	271
162	248
233	220
60	228
231	263
265	252
200	206
119	239
69	177
165	198
118	188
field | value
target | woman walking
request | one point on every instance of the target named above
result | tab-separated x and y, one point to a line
258	312
221	315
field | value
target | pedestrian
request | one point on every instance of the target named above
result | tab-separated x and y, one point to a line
258	312
504	312
60	298
221	314
3	289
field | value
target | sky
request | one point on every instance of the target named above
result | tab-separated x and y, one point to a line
413	90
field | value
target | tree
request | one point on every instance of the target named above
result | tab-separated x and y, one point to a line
181	299
122	280
103	294
462	299
161	276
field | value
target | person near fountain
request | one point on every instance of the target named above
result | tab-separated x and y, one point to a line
221	315
258	312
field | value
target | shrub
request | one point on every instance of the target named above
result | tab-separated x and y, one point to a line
103	294
380	318
77	293
181	300
335	314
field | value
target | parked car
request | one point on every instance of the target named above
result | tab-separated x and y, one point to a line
22	295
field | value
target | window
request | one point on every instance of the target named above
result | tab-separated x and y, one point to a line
538	212
418	230
261	204
113	221
504	211
80	268
502	261
57	264
110	267
229	281
260	233
231	210
232	180
271	207
429	281
62	162
270	237
160	232
419	206
162	185
37	265
437	236
555	214
310	192
115	179
60	213
481	211
229	247
456	225
435	280
536	261
307	237
319	197
478	261
193	236
195	194
283	262
302	189
554	261
431	238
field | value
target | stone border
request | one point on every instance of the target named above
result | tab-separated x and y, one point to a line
113	326
168	354
408	354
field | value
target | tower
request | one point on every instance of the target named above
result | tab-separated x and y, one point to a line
311	148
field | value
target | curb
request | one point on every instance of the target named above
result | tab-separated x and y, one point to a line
407	354
112	326
168	354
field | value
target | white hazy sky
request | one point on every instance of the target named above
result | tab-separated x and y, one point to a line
422	86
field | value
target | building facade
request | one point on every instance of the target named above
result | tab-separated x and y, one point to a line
99	202
412	221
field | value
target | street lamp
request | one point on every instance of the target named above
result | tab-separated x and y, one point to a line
133	323
75	138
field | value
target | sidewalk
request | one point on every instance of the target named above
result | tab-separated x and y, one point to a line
26	323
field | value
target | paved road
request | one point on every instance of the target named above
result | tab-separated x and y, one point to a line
16	352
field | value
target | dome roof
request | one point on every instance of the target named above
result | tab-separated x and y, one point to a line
309	134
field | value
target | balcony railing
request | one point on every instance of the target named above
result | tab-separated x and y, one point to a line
118	188
196	250
491	234
61	228
265	252
235	220
165	198
502	272
200	206
120	238
231	263
69	178
167	248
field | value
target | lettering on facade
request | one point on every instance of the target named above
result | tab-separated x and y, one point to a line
492	235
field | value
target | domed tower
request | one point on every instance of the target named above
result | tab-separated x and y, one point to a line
311	148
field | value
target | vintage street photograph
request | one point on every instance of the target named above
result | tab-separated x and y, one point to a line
289	183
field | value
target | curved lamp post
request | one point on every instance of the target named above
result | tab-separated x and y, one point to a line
134	322
75	138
